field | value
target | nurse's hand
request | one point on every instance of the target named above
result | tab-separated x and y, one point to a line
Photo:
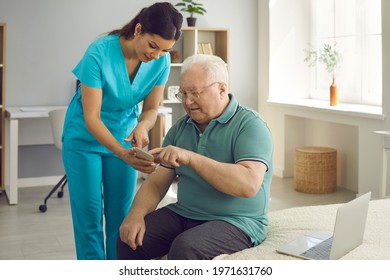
139	137
139	164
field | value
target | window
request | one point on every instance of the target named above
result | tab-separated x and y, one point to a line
353	25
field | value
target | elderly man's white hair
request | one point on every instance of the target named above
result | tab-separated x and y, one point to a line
214	66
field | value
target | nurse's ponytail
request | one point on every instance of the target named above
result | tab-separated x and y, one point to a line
161	18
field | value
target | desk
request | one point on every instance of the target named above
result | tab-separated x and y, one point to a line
12	141
386	148
12	117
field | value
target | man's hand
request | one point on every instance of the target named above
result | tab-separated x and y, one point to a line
172	156
132	231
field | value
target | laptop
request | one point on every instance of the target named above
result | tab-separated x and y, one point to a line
347	234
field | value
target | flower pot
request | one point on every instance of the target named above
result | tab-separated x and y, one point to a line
334	95
191	21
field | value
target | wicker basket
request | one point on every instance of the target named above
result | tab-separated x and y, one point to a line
315	170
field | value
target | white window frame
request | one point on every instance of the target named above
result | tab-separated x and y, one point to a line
290	78
365	78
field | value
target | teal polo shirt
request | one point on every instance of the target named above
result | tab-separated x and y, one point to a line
103	66
238	134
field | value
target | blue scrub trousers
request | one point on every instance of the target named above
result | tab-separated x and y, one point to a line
99	185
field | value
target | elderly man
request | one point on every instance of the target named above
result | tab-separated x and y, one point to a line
222	155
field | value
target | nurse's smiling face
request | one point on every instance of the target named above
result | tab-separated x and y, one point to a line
151	46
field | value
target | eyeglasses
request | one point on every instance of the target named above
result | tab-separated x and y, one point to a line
183	95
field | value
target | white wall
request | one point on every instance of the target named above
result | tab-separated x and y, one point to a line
287	49
359	149
46	38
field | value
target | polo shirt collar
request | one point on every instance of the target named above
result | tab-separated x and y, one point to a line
230	110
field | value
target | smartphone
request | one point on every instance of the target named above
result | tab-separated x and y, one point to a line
143	154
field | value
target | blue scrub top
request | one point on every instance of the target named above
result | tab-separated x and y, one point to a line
239	134
103	66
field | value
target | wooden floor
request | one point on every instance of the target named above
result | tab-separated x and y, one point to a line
26	233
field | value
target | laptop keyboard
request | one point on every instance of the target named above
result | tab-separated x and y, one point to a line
321	251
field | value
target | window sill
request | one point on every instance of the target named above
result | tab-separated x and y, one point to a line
356	110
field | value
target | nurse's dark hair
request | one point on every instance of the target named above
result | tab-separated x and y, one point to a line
161	19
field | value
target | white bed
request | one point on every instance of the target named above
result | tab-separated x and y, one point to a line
287	224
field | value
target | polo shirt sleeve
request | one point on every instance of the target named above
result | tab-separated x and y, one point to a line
88	70
254	142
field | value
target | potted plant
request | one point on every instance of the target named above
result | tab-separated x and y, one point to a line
330	57
192	7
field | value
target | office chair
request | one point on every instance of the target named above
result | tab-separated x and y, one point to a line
56	118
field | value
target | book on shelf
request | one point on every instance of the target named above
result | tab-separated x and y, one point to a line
205	48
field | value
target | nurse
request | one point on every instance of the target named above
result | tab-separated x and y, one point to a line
103	123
